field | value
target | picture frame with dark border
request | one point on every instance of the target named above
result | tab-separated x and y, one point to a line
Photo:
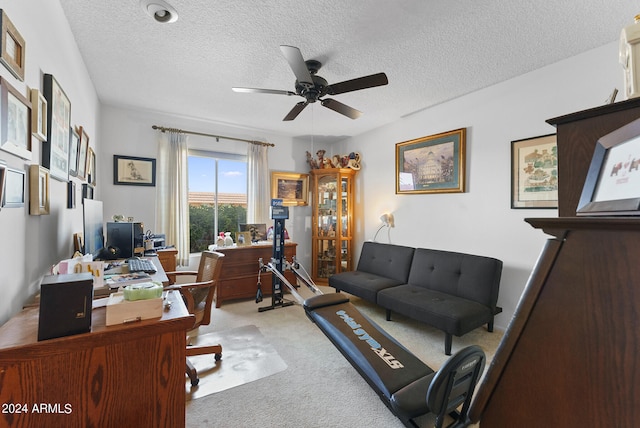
87	191
612	185
432	164
39	190
534	172
134	171
3	174
71	194
38	115
291	187
55	151
12	47
15	114
14	188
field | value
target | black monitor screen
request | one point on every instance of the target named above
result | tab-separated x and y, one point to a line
93	227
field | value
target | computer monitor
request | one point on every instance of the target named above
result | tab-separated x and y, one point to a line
258	231
93	227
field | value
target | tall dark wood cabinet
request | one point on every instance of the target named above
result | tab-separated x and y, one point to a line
571	354
577	135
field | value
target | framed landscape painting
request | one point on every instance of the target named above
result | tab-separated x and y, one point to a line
433	164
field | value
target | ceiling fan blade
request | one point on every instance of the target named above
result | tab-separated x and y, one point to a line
263	91
295	111
365	82
344	109
297	64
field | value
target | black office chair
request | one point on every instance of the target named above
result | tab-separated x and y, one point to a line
453	385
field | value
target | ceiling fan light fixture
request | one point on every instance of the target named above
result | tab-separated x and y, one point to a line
159	10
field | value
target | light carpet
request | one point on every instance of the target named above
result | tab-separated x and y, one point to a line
246	357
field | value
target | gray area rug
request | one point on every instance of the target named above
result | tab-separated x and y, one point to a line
246	357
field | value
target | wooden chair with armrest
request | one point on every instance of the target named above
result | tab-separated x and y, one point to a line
199	297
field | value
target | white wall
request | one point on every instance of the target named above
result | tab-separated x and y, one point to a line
480	221
31	244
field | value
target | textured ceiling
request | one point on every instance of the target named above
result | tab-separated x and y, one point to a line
431	51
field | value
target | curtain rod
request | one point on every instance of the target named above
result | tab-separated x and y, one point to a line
163	129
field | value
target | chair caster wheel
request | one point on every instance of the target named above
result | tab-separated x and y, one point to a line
195	382
218	357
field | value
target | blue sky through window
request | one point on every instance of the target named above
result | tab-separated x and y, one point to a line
233	175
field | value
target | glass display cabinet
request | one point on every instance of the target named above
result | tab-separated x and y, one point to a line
332	190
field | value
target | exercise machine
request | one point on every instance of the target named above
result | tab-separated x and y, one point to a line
279	213
405	384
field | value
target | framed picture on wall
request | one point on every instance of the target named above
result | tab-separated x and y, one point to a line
291	187
83	151
14	186
38	115
15	111
134	171
13	47
534	172
55	152
433	164
74	150
38	190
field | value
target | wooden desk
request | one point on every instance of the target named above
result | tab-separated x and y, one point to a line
125	375
239	277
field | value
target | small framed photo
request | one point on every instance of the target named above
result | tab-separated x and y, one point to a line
55	151
83	151
433	164
87	191
12	47
38	190
15	113
243	238
14	186
292	188
134	171
38	115
534	172
612	186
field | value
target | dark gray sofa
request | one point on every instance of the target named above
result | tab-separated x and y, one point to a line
453	292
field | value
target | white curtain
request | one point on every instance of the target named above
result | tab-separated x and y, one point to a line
172	200
258	195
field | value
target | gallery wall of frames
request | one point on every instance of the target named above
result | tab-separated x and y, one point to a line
40	115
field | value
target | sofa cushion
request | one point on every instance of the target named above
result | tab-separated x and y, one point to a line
475	278
362	284
451	314
387	260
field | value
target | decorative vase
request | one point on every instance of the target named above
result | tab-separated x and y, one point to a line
228	240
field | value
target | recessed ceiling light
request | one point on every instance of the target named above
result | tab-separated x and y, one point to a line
159	10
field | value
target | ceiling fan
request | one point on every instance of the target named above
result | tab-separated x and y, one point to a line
313	87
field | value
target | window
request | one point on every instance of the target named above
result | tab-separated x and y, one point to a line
217	196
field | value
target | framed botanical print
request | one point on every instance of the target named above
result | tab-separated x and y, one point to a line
55	151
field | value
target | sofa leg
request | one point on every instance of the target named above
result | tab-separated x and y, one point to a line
448	339
490	326
388	314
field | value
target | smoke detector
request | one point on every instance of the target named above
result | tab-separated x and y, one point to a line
159	10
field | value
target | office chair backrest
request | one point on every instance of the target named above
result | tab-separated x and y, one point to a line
208	272
454	384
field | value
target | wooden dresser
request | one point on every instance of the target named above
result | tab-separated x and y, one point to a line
239	278
119	376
